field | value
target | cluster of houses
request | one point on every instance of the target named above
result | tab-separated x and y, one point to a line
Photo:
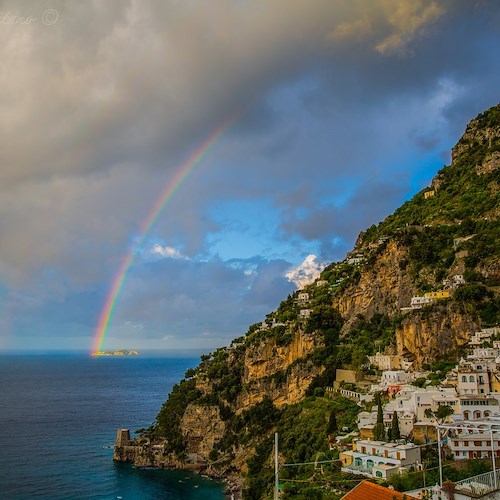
471	422
449	285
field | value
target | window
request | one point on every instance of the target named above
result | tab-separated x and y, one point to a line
471	378
466	415
466	443
378	473
477	443
455	443
464	379
481	379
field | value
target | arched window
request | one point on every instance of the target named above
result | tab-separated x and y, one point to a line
466	415
471	378
378	473
464	379
369	463
477	414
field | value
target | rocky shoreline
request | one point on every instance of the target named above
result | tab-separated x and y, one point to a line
147	454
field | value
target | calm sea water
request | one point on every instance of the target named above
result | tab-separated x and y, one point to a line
58	421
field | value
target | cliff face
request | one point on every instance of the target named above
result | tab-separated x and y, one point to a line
274	371
384	286
429	334
292	389
201	428
223	413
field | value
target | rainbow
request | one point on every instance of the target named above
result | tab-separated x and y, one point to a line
119	280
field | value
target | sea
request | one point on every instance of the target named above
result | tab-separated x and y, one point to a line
58	420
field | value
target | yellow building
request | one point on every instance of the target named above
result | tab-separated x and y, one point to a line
441	294
429	194
346	458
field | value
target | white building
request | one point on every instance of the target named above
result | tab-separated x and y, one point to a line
483	336
394	379
417	401
356	260
417	302
303	298
473	378
474	407
476	438
380	459
454	281
305	313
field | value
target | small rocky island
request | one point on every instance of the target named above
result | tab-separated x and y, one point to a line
120	352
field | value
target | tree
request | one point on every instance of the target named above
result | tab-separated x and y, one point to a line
379	428
332	423
395	433
440	414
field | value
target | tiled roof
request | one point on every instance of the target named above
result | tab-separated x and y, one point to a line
371	491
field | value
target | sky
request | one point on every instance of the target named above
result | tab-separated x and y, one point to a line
339	111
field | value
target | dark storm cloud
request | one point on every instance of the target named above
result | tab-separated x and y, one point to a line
339	105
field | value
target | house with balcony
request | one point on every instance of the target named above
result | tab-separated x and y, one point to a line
474	438
302	299
474	407
379	459
454	281
478	439
473	377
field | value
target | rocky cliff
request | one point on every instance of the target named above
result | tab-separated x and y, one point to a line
443	246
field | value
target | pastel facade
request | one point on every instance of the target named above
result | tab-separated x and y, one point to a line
379	459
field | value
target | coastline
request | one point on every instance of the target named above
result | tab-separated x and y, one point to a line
149	455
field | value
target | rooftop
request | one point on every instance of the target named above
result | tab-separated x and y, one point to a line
373	491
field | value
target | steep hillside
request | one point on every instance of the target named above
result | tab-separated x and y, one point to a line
445	241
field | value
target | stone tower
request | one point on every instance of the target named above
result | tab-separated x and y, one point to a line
122	437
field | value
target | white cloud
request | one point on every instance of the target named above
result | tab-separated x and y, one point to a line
305	273
167	252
